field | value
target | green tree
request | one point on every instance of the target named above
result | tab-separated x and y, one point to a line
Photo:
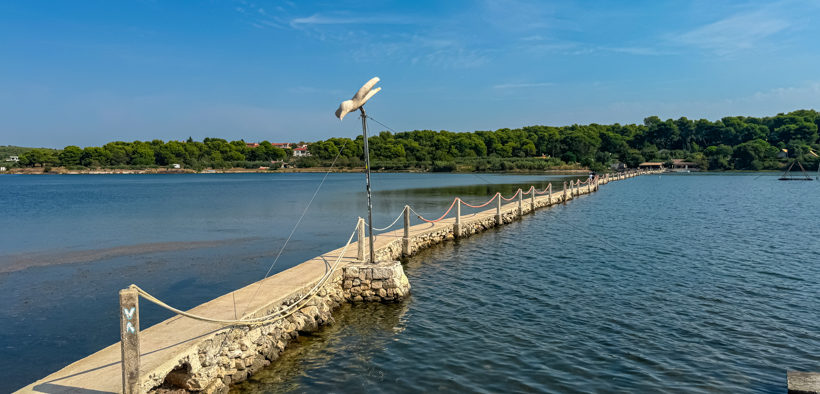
70	156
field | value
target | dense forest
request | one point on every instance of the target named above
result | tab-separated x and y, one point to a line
742	143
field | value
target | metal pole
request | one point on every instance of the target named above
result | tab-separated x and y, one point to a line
367	172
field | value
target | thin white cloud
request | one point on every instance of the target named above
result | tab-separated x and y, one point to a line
741	31
641	51
522	85
319	19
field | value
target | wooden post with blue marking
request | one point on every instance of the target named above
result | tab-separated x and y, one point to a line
130	340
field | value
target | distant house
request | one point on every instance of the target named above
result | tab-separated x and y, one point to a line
177	166
2	169
301	151
13	158
682	165
251	144
283	145
651	165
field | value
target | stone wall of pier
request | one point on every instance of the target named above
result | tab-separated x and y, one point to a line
230	356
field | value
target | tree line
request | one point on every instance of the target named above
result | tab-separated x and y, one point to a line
210	153
742	143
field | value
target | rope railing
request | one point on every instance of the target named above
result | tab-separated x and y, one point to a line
271	318
390	225
480	205
548	188
441	217
513	196
302	300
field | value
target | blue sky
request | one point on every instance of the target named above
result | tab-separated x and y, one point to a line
89	72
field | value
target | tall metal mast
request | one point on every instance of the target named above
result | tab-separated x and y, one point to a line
367	175
366	92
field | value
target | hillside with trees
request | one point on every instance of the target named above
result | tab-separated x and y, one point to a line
731	143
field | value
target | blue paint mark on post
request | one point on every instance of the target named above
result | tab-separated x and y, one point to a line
130	340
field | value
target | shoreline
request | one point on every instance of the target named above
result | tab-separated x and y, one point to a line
165	171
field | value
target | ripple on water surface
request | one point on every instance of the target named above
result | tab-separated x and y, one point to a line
655	284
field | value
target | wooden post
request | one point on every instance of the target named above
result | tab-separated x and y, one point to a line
803	382
498	218
565	192
532	199
405	240
457	225
360	243
520	202
130	340
549	196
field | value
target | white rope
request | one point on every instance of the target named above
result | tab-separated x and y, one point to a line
276	316
391	224
293	230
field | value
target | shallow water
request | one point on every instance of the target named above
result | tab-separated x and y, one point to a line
684	283
69	243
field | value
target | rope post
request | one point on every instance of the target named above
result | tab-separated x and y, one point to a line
498	218
405	241
130	340
565	192
532	199
520	203
360	243
457	225
549	196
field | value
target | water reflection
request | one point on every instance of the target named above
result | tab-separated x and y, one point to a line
360	331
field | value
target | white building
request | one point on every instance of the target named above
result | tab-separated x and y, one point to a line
301	151
13	158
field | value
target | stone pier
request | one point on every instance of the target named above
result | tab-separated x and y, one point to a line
182	354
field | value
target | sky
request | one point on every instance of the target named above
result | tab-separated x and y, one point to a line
90	72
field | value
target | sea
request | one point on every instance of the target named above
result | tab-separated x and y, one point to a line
660	283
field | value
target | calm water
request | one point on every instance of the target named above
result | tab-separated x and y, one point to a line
69	243
688	283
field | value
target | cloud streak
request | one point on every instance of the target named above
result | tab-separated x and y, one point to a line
319	19
742	31
523	85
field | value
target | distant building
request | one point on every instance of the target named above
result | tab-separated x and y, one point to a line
13	158
283	145
301	151
177	166
2	169
651	165
251	144
682	165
